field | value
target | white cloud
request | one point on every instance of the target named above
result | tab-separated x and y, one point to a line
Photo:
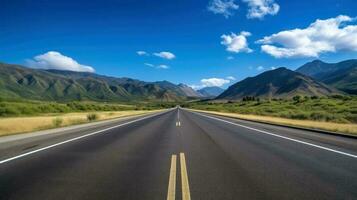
157	66
211	82
142	53
224	7
232	78
166	55
163	66
55	60
230	58
260	8
260	68
236	43
330	35
149	64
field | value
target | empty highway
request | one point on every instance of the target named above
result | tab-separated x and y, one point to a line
180	154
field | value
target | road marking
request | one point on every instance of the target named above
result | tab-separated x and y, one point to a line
280	136
178	123
76	138
184	179
172	179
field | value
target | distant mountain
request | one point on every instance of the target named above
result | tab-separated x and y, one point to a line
55	85
210	91
188	91
342	75
278	83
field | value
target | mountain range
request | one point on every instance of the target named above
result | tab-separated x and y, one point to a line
341	75
315	78
278	83
55	85
210	92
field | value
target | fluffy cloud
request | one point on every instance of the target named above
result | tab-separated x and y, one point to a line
157	66
224	7
236	43
211	82
330	35
232	78
142	53
260	8
166	55
55	60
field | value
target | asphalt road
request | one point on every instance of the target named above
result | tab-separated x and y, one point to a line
180	154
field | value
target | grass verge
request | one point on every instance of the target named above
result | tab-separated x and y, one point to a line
328	126
15	125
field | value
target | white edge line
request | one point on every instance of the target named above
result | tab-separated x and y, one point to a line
280	136
77	138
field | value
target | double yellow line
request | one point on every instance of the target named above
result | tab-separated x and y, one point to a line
171	192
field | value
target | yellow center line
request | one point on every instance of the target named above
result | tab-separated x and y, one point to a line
172	179
184	179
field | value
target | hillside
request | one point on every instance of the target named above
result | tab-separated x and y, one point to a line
54	85
278	83
341	75
188	91
210	91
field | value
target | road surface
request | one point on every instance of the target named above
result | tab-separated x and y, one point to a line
180	154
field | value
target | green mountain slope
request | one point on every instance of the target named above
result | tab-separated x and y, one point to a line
54	85
278	83
340	75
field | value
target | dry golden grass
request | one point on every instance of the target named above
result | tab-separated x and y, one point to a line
328	126
14	125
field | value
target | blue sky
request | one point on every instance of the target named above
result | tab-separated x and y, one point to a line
106	36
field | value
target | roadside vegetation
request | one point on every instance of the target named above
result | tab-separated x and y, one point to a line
35	108
27	116
339	109
336	113
14	125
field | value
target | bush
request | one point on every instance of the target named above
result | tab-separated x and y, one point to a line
297	98
57	122
92	117
299	116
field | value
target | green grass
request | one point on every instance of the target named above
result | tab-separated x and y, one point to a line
34	108
340	109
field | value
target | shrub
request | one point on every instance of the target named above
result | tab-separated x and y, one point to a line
299	116
314	97
297	98
92	117
57	122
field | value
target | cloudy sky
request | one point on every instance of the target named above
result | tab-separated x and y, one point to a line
200	43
